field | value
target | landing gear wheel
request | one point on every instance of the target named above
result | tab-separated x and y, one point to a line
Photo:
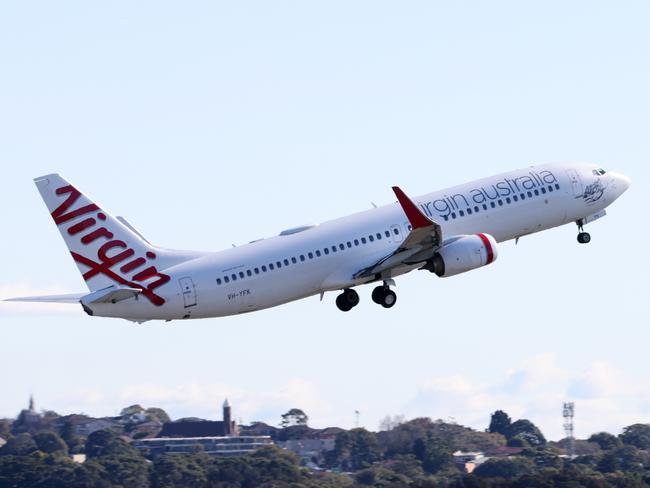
378	294
347	300
384	296
389	299
584	238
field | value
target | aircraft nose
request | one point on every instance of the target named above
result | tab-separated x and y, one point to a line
621	183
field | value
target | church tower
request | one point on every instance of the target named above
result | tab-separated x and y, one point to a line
227	419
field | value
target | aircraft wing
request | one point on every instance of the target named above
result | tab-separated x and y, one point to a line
423	239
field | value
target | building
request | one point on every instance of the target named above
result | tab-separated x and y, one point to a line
308	449
219	438
83	425
202	428
217	446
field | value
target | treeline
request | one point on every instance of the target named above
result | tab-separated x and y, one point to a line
415	454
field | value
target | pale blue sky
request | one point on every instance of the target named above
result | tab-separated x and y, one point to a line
207	124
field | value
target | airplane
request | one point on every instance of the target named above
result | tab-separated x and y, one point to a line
447	232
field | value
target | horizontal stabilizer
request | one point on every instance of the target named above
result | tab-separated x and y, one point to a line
112	294
68	298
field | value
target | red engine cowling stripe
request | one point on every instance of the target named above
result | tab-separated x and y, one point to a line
488	248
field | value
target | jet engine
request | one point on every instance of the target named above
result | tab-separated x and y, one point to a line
463	253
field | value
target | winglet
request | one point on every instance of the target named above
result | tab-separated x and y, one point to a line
415	216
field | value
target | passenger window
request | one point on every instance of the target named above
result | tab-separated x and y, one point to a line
515	198
241	275
356	242
550	188
349	244
378	236
257	270
341	247
326	251
286	262
226	279
461	213
294	260
536	192
446	217
318	253
395	231
333	248
469	211
263	269
387	234
522	196
557	187
484	206
476	208
249	272
234	277
500	202
372	239
310	255
492	204
302	257
530	194
363	240
544	190
218	281
271	267
278	264
453	215
508	200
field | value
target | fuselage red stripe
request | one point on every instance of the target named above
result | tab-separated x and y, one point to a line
488	248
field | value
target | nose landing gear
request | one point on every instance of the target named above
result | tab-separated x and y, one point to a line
583	237
384	296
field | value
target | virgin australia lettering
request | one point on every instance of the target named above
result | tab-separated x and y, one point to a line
447	232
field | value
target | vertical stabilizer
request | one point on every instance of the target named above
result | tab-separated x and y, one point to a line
106	251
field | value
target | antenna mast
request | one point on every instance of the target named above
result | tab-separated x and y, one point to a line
568	412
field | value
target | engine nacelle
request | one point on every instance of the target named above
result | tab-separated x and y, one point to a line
463	254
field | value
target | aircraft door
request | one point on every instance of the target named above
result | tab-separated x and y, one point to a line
576	182
396	232
189	291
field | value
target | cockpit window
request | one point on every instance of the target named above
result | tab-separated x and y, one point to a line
599	172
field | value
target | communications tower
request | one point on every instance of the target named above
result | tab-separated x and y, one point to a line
568	412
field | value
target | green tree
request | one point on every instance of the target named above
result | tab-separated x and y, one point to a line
605	440
526	431
50	442
157	414
355	449
637	435
5	428
433	453
20	445
295	416
508	468
179	470
131	410
500	423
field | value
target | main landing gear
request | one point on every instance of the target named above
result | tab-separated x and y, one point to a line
583	237
347	300
384	296
381	295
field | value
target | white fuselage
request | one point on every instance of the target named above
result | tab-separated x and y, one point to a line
326	257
